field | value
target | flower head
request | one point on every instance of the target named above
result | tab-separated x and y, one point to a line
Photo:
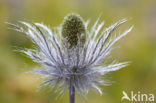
73	28
70	62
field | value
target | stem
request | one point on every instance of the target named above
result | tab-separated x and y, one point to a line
71	93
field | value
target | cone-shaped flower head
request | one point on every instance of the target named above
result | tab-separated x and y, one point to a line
73	28
81	65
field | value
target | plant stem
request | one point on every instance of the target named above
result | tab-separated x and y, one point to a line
71	93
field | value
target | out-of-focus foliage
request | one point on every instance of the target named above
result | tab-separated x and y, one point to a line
139	47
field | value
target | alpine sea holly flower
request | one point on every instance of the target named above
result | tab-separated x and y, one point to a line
71	55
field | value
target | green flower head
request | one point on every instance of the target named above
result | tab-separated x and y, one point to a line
73	29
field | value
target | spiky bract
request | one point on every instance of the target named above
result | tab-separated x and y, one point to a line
80	66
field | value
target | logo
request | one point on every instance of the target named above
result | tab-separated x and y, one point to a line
137	97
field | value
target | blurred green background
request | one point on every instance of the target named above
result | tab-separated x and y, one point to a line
139	47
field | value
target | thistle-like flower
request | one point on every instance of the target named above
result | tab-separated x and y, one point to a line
71	55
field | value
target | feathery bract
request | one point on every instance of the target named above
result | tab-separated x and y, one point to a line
79	64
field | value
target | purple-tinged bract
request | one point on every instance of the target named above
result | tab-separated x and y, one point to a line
79	65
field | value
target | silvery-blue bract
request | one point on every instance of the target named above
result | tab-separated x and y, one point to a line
80	64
